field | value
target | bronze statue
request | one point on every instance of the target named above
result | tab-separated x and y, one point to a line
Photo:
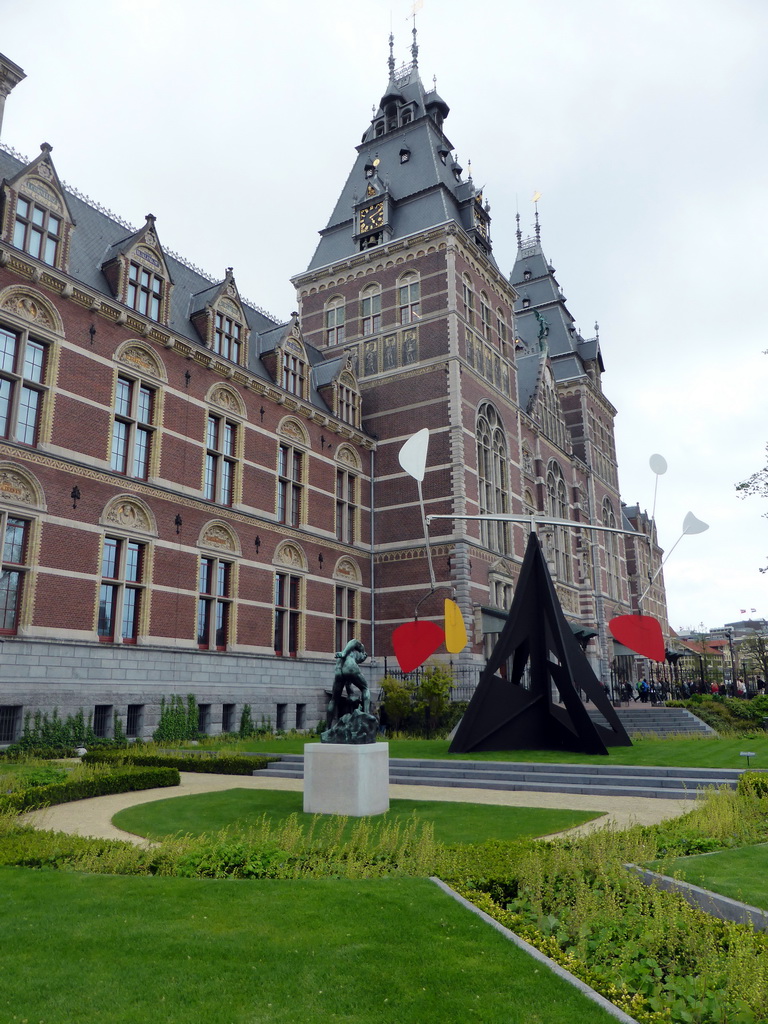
343	724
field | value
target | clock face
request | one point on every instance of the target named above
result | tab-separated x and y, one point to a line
372	217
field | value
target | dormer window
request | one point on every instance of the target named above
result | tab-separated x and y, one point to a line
37	231
379	128
294	371
407	117
369	169
145	291
405	155
227	337
443	154
526	275
526	302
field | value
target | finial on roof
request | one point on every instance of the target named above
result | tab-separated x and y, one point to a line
434	82
417	5
519	233
597	331
469	170
391	61
151	219
535	201
46	147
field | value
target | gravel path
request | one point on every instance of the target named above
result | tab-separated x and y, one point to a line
93	817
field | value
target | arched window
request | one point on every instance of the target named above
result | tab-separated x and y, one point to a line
370	310
409	298
485	315
611	551
334	321
468	298
492	477
557	495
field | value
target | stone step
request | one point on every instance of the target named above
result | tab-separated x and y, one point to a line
600	779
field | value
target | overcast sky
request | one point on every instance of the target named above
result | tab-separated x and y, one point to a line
641	122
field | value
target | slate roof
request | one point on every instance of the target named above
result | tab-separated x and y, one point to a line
99	236
539	292
424	190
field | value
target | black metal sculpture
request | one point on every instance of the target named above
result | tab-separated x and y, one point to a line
504	714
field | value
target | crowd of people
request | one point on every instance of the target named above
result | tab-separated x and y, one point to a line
657	691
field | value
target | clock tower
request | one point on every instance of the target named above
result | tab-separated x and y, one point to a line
404	283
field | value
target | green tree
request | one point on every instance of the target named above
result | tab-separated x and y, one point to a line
398	695
754	649
247	728
756	485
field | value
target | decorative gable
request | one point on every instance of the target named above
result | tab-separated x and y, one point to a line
218	316
138	274
36	217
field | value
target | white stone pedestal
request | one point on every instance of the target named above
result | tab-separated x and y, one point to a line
346	778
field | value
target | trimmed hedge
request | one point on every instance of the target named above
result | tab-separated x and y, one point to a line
228	764
123	779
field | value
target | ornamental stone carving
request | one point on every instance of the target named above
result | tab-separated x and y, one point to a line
142	359
16	488
291	555
227	399
293	429
32	307
128	514
347	570
220	538
346	455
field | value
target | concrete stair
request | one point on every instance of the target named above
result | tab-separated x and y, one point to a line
598	779
660	721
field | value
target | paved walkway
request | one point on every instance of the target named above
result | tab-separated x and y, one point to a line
93	817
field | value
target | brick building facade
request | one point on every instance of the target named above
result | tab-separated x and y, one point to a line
195	498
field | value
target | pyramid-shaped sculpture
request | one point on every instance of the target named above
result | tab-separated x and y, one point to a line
506	715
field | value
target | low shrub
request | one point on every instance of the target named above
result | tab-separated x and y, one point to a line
726	714
120	779
226	764
753	784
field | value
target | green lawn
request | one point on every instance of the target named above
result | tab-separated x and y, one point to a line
741	874
453	822
683	752
109	950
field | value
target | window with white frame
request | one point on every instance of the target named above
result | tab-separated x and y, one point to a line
347	484
122	589
145	291
409	299
485	315
335	317
287	614
346	617
290	484
133	428
370	310
220	460
227	337
37	231
23	365
492	478
559	509
611	550
468	299
14	569
294	373
214	604
501	327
